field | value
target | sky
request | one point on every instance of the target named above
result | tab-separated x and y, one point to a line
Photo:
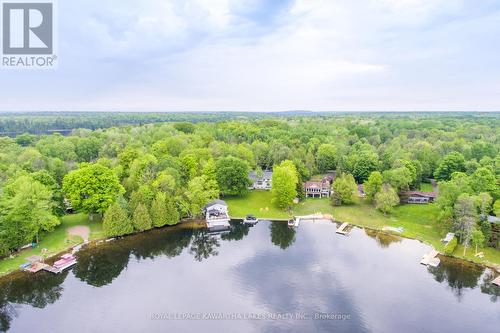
274	55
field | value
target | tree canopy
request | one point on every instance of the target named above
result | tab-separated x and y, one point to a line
92	188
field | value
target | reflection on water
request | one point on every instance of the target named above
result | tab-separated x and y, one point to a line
281	234
459	275
382	239
37	291
379	285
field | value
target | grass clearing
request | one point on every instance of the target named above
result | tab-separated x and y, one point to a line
257	203
55	242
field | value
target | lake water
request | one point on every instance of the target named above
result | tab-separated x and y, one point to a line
266	278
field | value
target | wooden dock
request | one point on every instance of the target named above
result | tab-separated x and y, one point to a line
496	281
36	267
430	259
342	229
51	269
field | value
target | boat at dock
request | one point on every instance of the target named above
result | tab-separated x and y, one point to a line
250	219
67	260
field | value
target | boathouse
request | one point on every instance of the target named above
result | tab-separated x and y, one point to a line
217	214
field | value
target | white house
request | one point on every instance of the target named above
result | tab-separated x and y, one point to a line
217	215
263	182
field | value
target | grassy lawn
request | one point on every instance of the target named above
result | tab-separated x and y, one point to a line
419	221
55	242
257	203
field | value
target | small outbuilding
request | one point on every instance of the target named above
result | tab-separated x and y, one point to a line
216	214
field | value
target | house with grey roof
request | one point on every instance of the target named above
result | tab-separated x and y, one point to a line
262	180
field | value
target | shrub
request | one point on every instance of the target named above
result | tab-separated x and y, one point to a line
450	247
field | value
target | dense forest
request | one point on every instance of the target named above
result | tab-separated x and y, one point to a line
155	172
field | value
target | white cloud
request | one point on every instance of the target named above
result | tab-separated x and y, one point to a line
318	54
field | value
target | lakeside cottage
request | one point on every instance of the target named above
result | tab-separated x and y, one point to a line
416	197
217	215
319	189
262	181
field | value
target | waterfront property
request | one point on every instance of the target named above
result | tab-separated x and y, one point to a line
261	180
416	197
319	189
217	215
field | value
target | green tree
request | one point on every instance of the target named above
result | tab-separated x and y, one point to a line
326	158
477	238
453	162
26	209
189	167
465	218
159	212
484	201
143	195
141	219
344	189
116	221
386	199
200	192
92	188
185	127
210	173
87	149
232	175
285	179
362	163
25	139
399	178
373	185
450	191
165	182
496	208
483	180
172	212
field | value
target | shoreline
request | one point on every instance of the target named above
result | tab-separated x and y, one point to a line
198	224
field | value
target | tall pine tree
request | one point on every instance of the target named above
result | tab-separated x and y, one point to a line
159	210
141	219
116	221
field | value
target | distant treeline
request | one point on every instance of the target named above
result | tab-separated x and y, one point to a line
15	123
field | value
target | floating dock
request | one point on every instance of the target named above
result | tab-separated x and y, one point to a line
343	229
431	259
496	281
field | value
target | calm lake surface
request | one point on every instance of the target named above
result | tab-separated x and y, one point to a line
265	278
